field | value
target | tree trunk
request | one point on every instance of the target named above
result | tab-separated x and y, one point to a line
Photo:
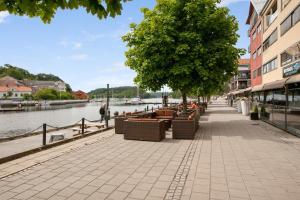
184	101
198	100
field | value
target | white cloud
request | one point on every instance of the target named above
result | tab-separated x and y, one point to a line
64	43
227	2
78	57
77	45
3	16
90	37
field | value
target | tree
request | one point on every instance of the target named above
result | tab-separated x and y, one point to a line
183	44
46	9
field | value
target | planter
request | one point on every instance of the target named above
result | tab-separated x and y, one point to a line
244	107
239	106
254	116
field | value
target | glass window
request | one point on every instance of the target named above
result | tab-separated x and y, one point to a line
269	97
286	25
254	55
270	66
271	14
254	35
259	28
286	58
259	51
293	111
296	15
270	40
254	74
259	71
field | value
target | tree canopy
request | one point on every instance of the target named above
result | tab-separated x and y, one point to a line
46	9
183	44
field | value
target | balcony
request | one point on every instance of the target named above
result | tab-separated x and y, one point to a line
270	18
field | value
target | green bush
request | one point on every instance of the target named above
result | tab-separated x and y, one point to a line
52	94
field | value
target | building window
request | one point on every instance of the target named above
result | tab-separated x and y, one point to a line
270	66
259	51
271	14
254	55
284	3
296	15
259	28
259	71
270	40
254	35
254	74
286	25
290	55
290	21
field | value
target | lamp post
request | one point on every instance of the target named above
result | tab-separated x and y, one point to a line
107	106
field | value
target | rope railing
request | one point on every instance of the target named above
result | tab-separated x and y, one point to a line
34	130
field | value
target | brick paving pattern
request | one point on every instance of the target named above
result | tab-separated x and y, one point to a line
231	158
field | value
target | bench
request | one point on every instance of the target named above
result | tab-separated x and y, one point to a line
56	137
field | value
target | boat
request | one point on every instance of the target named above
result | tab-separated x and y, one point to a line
136	101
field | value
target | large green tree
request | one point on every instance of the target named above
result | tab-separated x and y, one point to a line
183	44
46	9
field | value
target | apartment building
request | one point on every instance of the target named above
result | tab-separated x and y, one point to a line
255	34
279	94
242	79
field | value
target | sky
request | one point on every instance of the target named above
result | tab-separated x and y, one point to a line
84	51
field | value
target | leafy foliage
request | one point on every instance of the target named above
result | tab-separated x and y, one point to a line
46	9
52	94
119	92
184	44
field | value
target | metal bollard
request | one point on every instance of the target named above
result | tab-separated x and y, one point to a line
82	126
44	134
152	108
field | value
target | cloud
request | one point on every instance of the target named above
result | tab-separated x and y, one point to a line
3	16
91	37
227	2
78	57
77	45
64	43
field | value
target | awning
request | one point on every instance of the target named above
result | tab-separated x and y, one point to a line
242	91
275	85
293	79
257	88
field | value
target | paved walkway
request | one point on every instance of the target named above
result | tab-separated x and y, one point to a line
231	158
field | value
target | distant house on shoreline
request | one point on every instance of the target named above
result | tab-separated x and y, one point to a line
13	88
38	85
80	95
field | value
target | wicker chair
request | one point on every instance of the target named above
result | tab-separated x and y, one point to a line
185	127
144	129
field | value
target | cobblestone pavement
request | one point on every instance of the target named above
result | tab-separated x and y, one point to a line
230	158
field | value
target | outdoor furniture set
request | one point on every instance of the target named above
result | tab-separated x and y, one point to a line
152	126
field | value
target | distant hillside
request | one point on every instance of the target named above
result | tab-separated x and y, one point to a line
129	92
119	92
21	74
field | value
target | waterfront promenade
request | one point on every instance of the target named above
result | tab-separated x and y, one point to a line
230	158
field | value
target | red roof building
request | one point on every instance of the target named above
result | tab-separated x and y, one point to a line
80	95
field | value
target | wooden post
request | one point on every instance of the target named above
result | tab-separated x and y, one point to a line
107	106
82	126
44	134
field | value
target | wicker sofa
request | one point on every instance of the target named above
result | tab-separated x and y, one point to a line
185	127
144	129
119	120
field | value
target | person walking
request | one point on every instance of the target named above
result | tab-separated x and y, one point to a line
102	113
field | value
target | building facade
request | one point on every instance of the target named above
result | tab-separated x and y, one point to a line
80	95
242	79
279	96
255	34
38	85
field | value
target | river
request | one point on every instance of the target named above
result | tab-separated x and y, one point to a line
16	123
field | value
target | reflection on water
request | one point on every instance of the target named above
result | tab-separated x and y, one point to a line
21	122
